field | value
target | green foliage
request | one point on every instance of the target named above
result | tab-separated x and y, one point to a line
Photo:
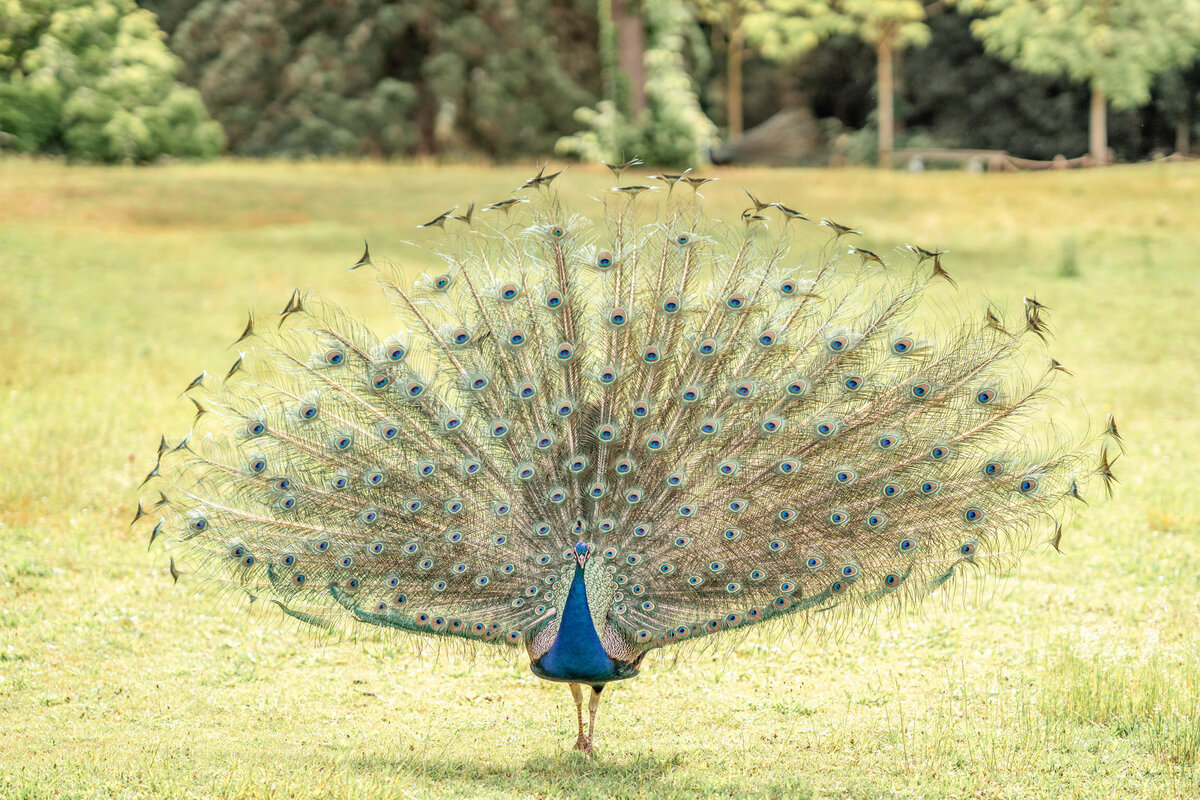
94	80
786	29
1116	46
674	130
386	78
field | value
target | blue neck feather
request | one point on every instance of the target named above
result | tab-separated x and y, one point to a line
577	654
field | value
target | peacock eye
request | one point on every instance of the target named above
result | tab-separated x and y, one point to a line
736	301
993	468
604	259
558	231
796	388
902	346
335	356
564	351
650	355
1028	485
728	467
853	383
308	411
441	282
929	487
460	336
939	452
787	287
608	374
838	343
509	291
256	427
671	304
618	317
683	239
921	390
516	337
554	299
767	338
985	396
641	408
380	381
973	514
526	390
395	352
707	347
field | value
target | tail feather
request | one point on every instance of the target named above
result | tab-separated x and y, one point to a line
743	434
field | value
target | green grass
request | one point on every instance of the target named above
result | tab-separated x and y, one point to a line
1078	677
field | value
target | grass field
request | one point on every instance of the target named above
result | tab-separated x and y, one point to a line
1078	677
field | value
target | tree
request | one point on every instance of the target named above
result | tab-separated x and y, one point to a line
93	79
730	16
1116	47
788	28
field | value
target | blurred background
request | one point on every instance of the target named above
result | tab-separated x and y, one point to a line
985	84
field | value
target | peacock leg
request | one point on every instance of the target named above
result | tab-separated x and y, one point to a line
593	707
584	742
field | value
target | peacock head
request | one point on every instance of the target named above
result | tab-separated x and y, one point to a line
582	551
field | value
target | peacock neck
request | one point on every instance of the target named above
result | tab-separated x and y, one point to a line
577	653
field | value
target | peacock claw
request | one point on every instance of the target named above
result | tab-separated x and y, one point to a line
584	743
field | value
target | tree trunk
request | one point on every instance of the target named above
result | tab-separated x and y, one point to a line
733	98
631	51
1098	128
885	80
1183	130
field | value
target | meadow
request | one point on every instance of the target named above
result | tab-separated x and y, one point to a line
1077	675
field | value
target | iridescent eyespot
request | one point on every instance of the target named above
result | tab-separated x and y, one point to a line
876	521
608	374
838	517
471	466
499	430
707	347
973	514
743	389
297	579
286	503
376	548
686	510
887	441
606	525
453	506
967	549
395	352
641	408
993	468
564	408
929	487
838	343
683	239
732	534
452	422
374	477
728	467
287	560
814	563
339	481
237	551
633	496
796	388
542	529
516	337
845	476
891	579
778	546
606	433
379	381
342	442
460	336
853	383
307	411
682	541
256	465
641	530
837	587
556	496
786	514
716	566
906	544
623	466
255	427
921	390
985	396
558	231
322	546
500	509
413	505
772	424
655	442
554	299
939	452
737	505
577	464
671	304
564	351
604	260
1028	485
618	317
346	561
526	391
387	431
709	427
414	388
676	479
650	355
499	539
335	356
787	466
825	429
544	442
901	346
787	287
767	338
893	490
691	394
442	282
509	291
736	301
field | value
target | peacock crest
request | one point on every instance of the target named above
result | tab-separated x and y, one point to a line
594	438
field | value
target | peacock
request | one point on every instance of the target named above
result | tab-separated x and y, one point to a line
595	438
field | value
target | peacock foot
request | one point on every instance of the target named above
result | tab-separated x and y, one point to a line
584	743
